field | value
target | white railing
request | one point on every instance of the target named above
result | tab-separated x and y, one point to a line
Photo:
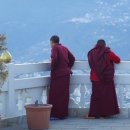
26	84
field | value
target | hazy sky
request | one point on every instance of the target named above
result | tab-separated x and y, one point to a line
28	25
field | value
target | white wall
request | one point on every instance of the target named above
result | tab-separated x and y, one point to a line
20	91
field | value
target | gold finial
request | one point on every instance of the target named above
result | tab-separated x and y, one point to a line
6	57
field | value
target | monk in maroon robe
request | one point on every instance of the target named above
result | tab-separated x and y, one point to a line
103	99
62	61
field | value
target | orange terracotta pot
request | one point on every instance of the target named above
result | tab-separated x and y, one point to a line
38	116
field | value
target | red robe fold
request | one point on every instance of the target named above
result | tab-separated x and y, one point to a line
62	61
112	57
103	98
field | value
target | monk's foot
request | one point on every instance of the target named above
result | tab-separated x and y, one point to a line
58	118
54	118
63	118
90	117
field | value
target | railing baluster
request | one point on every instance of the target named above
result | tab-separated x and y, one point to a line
11	106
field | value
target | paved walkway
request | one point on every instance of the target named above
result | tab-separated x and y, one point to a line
81	124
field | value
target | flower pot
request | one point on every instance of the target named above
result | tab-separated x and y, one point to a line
38	116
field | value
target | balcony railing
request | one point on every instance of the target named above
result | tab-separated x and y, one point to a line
29	82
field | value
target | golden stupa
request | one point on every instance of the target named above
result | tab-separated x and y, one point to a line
6	57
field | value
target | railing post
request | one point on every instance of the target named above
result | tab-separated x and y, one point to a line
11	107
45	95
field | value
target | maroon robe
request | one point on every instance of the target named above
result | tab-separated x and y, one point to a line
61	63
103	99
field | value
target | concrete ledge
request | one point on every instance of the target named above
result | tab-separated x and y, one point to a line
13	121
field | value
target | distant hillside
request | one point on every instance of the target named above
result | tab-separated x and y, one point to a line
29	24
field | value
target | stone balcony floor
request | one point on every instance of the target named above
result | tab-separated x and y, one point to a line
80	124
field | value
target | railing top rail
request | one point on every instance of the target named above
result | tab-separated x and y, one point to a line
25	68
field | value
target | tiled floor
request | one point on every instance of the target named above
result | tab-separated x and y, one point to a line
81	124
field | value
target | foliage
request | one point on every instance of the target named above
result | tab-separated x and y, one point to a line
3	66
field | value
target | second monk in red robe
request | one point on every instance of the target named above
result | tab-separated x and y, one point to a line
62	61
103	99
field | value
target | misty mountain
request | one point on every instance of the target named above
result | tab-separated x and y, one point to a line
28	25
